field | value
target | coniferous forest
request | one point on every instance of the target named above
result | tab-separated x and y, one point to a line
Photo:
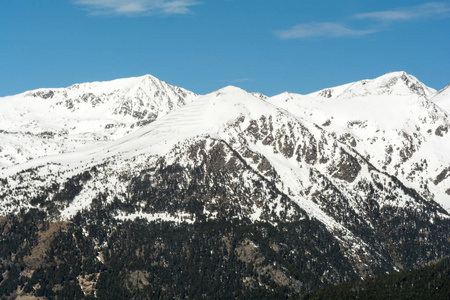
108	259
431	282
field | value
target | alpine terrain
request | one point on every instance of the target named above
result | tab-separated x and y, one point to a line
138	189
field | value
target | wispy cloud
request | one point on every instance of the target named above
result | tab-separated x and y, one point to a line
326	29
137	7
383	21
424	11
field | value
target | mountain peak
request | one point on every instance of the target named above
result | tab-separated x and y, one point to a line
403	83
118	84
83	114
230	89
394	83
396	74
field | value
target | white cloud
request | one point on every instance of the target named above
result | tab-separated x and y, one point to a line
178	7
427	10
383	21
326	29
137	7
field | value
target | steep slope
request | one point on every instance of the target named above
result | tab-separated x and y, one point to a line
405	135
231	156
51	121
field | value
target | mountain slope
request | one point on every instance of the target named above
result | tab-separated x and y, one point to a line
430	282
442	98
51	121
405	135
230	155
282	194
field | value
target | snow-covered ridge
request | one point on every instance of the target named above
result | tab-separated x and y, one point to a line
442	98
52	121
206	116
403	132
142	97
388	120
395	83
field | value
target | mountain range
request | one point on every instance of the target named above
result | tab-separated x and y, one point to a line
354	180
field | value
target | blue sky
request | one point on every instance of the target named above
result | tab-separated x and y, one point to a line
202	45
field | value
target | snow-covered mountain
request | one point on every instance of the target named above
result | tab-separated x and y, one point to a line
51	121
394	84
391	122
368	165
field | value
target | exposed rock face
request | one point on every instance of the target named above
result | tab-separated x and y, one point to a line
442	176
347	169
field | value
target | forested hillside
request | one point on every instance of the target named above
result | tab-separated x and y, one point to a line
431	282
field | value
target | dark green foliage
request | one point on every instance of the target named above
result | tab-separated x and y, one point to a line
431	282
18	231
142	260
201	256
9	285
208	259
18	234
72	187
201	261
